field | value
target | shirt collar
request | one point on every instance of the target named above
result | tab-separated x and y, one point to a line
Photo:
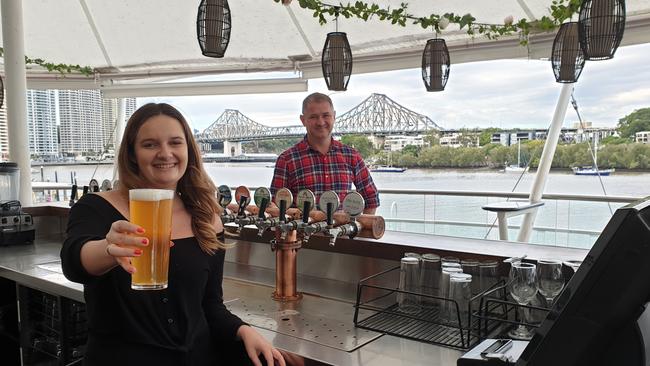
334	145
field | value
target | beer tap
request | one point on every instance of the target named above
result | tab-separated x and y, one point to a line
353	205
224	197
329	200
305	200
262	199
242	195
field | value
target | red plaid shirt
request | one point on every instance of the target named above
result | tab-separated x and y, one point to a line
301	167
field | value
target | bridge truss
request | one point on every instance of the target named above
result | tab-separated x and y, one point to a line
377	115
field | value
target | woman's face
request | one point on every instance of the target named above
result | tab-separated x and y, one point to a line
161	151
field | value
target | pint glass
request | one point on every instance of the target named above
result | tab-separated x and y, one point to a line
152	210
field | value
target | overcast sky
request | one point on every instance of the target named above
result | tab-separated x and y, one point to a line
503	93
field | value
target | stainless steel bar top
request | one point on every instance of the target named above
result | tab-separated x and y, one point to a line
315	329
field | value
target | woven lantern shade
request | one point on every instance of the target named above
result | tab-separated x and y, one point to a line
213	25
567	57
602	23
337	61
435	65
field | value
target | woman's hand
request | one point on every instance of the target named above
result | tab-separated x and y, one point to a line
256	344
123	243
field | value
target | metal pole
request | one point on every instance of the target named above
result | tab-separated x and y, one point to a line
545	161
119	130
16	85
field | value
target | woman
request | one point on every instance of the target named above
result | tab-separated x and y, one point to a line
187	322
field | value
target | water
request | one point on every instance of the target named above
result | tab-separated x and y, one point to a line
447	215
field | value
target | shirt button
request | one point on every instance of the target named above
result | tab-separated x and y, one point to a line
165	300
170	320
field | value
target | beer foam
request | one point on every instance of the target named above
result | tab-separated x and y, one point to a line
151	194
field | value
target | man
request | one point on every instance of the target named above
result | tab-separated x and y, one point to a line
319	162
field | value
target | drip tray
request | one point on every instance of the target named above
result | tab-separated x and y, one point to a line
315	319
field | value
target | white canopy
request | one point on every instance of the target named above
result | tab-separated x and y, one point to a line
155	40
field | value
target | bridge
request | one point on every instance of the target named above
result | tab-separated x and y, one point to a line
377	115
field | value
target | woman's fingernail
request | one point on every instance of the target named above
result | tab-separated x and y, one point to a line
137	252
145	241
140	230
171	244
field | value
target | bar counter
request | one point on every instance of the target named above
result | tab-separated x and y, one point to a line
319	328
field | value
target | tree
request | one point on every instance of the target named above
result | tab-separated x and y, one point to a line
637	121
486	136
361	143
412	150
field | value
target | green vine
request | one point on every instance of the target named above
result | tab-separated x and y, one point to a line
559	11
62	68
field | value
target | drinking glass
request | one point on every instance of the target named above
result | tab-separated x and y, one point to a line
522	287
460	290
550	280
151	209
471	266
409	276
488	271
574	264
429	275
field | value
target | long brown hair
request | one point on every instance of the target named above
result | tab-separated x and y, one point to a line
196	189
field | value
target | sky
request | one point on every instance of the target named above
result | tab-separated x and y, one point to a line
501	93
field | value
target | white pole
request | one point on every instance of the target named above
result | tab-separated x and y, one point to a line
16	85
119	131
545	161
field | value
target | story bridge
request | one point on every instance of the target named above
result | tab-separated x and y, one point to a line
377	115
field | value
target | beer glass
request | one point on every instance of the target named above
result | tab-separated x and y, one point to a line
152	210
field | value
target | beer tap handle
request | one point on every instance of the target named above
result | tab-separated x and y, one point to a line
73	194
330	213
283	211
305	212
263	204
242	206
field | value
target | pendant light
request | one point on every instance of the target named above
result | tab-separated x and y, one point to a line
567	58
435	64
336	60
213	26
602	23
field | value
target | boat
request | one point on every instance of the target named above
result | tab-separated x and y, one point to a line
517	168
386	169
588	170
593	170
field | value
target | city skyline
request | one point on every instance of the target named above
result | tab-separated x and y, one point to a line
500	93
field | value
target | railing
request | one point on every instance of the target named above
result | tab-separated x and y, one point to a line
567	220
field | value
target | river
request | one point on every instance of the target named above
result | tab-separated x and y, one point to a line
444	213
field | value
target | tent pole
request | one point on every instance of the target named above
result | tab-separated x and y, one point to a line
16	85
545	161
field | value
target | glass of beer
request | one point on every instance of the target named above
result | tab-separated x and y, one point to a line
152	210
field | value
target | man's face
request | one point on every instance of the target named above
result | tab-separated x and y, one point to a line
318	119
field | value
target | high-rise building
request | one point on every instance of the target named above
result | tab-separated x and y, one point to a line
109	115
80	117
41	123
4	134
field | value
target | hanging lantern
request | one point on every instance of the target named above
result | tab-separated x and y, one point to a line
567	57
337	61
435	64
2	92
602	23
213	25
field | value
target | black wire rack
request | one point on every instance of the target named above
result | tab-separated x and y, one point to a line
53	328
376	309
494	307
